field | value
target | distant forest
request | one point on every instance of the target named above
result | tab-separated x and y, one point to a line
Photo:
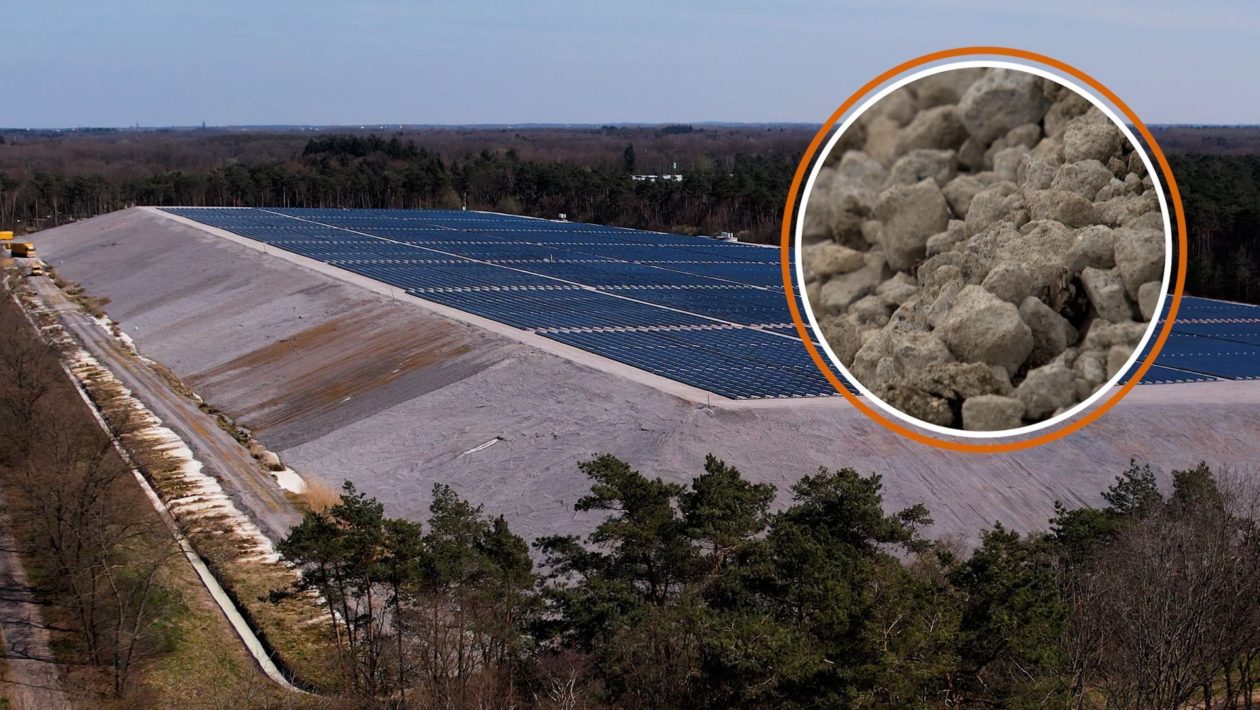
735	178
1221	196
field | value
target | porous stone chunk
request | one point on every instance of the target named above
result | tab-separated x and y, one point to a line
813	291
915	351
992	412
1148	298
1034	173
1103	334
959	192
874	348
938	128
1050	150
999	202
828	258
1027	135
1139	257
1046	389
897	290
945	88
898	107
842	335
881	138
1127	210
1113	188
1148	220
1067	106
1091	366
1001	100
1006	162
1042	252
1105	290
910	214
1061	206
971	155
1052	333
1093	246
1091	140
943	303
872	232
955	233
960	380
843	290
1117	356
919	404
1085	178
862	171
1009	281
981	327
869	310
922	164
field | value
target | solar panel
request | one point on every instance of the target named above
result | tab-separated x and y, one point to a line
700	311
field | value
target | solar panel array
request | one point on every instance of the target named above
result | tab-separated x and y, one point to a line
703	312
1210	340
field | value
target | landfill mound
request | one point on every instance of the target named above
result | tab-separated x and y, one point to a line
344	383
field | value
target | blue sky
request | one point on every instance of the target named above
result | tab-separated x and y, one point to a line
66	64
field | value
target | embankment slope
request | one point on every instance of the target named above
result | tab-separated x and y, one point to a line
346	383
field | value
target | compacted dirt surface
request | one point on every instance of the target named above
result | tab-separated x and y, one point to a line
506	424
984	249
253	489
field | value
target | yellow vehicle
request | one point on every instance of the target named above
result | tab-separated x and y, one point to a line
36	270
6	236
24	249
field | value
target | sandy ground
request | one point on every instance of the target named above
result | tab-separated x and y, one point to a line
347	384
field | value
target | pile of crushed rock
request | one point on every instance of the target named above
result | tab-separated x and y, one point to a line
983	249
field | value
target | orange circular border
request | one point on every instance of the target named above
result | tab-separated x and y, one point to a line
966	446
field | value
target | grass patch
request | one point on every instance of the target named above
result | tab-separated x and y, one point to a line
294	626
318	496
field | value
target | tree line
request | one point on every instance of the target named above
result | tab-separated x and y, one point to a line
734	181
1221	196
699	596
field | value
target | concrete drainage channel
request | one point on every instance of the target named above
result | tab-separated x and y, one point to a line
81	370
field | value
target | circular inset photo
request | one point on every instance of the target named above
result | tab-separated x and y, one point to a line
984	249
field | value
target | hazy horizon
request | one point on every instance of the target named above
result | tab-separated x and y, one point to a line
388	62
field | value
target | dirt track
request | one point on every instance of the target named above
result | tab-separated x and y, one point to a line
242	477
32	680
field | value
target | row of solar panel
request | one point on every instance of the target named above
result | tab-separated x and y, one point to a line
587	296
450	224
740	368
1210	340
709	261
510	265
503	267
